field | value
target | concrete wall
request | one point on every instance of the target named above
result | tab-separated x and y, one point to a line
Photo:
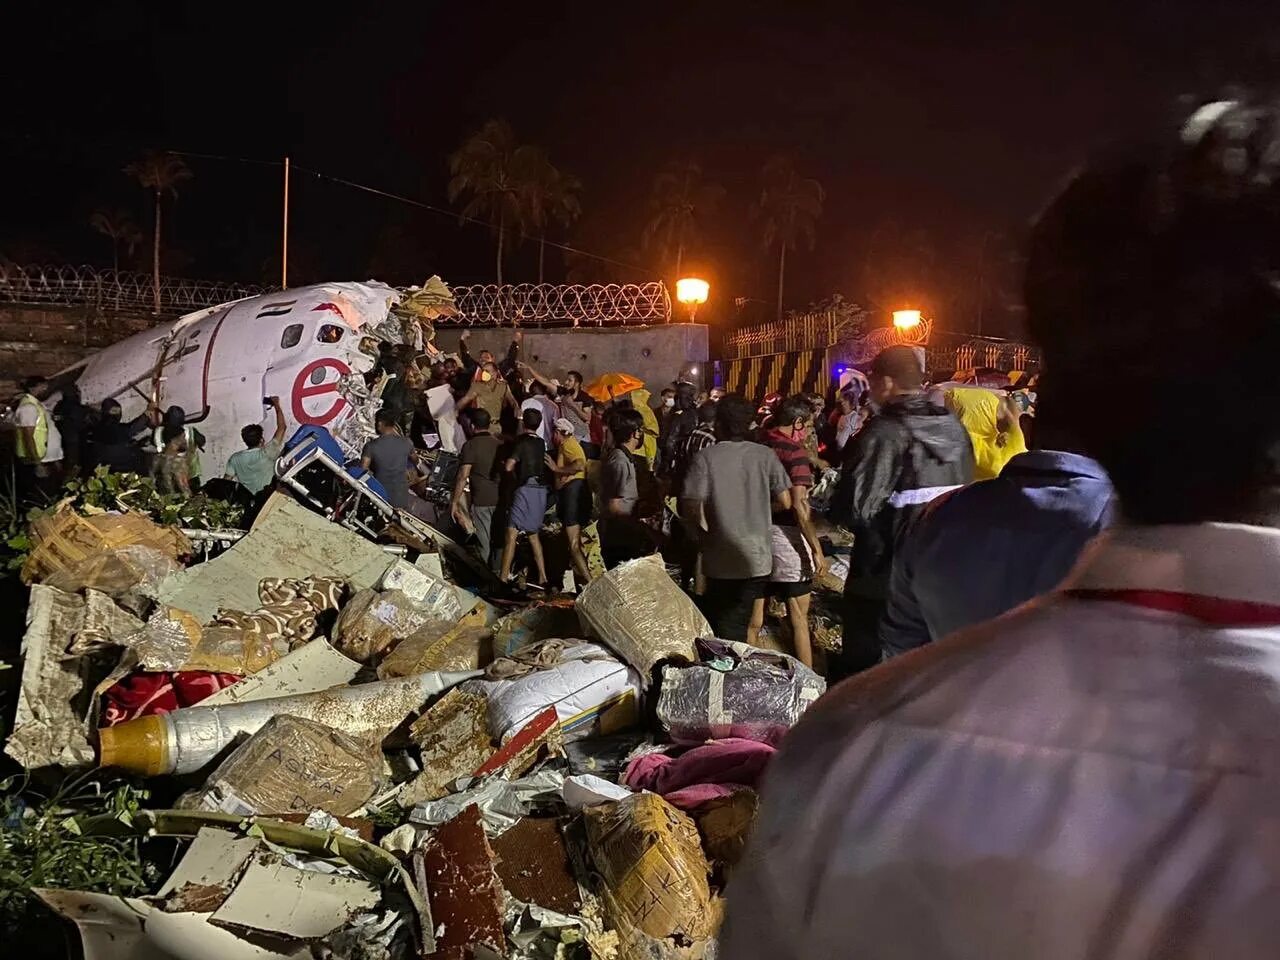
44	340
657	355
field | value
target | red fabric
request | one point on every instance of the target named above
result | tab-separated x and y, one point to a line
149	694
596	426
1217	611
691	778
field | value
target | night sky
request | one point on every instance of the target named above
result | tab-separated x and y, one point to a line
937	129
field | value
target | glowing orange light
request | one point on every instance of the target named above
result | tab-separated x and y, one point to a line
692	291
906	319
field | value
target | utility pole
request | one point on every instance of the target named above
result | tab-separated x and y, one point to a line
284	244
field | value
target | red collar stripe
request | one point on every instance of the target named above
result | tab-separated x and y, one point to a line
1216	611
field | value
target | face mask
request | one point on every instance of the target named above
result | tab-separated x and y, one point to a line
669	402
486	376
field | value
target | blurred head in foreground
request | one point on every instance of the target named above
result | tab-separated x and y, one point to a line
1159	267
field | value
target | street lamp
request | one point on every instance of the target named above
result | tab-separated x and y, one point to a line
692	292
906	319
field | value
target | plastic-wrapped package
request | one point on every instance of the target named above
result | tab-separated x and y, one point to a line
372	622
641	614
292	765
136	567
736	691
66	539
433	595
439	645
585	681
656	892
172	640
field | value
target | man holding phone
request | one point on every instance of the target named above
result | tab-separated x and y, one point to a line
255	467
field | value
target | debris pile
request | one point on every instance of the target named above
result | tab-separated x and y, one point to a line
357	756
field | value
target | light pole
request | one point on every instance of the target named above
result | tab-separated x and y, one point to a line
692	292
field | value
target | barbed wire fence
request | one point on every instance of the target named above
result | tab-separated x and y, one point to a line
528	304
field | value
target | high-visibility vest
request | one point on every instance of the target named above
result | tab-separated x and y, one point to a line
41	432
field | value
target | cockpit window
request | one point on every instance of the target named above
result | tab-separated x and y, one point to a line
329	333
292	336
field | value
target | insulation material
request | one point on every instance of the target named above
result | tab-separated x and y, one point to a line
293	765
49	726
455	870
287	540
313	666
65	540
737	691
373	622
356	429
453	737
655	887
435	595
502	803
642	615
438	645
534	866
135	568
586	680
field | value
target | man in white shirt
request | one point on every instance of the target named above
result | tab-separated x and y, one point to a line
1097	773
538	400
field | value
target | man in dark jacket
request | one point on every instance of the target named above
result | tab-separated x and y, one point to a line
910	453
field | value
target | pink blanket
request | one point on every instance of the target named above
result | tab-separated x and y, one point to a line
689	778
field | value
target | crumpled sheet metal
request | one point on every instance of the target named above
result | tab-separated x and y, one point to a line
737	691
502	802
287	540
105	625
642	615
49	725
357	428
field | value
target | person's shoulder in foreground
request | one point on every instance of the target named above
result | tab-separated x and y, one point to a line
1053	783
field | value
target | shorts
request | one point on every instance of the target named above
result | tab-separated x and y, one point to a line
789	591
528	508
792	558
573	503
728	605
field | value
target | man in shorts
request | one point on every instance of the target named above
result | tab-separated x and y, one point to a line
573	496
729	494
527	465
797	552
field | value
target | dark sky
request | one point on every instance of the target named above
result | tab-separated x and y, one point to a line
931	125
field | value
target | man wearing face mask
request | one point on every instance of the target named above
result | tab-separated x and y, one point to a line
796	551
489	392
910	453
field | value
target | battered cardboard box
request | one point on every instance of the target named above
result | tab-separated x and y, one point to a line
293	765
656	892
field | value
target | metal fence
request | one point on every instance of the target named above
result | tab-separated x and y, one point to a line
798	331
113	289
542	304
576	305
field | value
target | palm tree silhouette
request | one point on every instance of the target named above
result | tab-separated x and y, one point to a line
120	228
493	173
681	197
551	196
159	172
788	210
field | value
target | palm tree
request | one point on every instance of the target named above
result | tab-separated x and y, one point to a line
493	172
161	173
788	209
680	198
120	228
550	195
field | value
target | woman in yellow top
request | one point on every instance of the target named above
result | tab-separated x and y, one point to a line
573	496
992	427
